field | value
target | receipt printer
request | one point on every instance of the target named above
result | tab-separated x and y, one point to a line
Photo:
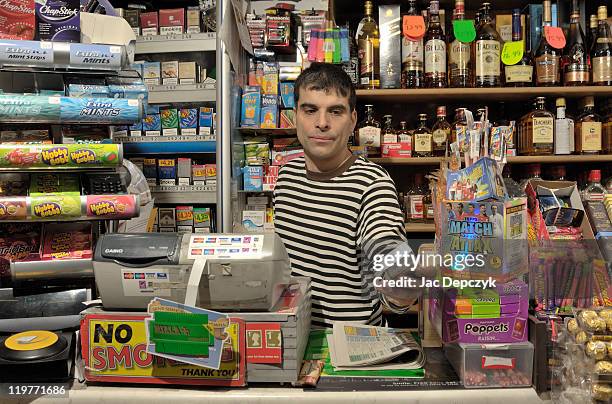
224	272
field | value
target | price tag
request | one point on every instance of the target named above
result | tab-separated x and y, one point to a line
464	30
555	37
413	26
512	52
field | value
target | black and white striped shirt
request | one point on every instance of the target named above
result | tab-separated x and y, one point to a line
331	225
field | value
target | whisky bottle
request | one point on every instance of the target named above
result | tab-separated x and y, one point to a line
351	67
587	130
405	138
487	51
368	132
592	34
520	74
564	129
459	54
422	138
416	212
412	56
441	132
546	57
368	40
435	50
607	129
388	134
576	63
536	131
601	54
459	130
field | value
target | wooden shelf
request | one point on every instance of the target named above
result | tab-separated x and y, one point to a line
268	132
420	227
557	159
415	96
411	161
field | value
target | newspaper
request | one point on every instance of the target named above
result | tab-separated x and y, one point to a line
364	347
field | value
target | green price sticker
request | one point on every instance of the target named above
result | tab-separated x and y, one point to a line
512	52
464	30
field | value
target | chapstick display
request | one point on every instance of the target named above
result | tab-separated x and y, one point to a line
58	20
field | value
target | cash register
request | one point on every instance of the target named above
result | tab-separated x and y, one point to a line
247	276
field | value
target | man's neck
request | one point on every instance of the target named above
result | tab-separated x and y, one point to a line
327	165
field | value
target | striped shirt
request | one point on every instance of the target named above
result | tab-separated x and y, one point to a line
331	225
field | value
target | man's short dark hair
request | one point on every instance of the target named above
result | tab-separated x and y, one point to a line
326	77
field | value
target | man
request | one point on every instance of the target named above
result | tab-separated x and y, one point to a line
334	211
498	222
482	215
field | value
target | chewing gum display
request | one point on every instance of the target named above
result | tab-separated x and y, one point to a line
52	183
87	90
67	241
29	108
55	207
112	206
18	242
61	156
13	208
113	110
58	20
17	19
104	57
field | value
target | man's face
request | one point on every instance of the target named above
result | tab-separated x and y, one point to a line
471	209
324	123
494	209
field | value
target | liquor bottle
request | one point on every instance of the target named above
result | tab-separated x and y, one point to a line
601	54
487	51
388	134
441	132
587	130
459	130
404	136
564	129
428	208
368	40
422	139
558	173
533	173
536	131
576	64
592	34
412	56
435	50
520	74
512	187
368	132
416	212
546	57
459	54
594	190
607	130
351	67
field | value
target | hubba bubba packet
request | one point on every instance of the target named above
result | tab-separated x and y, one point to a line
71	155
18	242
55	207
112	206
67	241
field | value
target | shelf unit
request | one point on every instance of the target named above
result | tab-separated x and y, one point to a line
185	194
167	144
204	41
268	132
420	227
556	159
164	94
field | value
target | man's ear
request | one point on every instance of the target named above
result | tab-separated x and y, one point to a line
354	118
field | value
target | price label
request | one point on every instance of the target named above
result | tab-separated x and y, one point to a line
413	26
512	52
555	37
464	30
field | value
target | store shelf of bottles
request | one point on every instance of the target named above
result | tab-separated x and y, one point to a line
205	41
268	132
479	94
554	159
415	161
420	228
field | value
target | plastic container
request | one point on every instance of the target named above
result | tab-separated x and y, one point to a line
492	365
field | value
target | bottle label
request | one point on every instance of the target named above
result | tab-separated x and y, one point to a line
576	73
416	206
459	58
562	138
572	141
406	139
547	69
422	142
519	74
440	136
543	130
488	55
389	138
590	133
352	69
366	56
430	211
369	136
602	69
412	55
435	56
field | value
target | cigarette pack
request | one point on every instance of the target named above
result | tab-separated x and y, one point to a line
166	218
188	72
193	20
149	23
198	174
201	217
151	72
169	121
166	171
150	171
188	121
151	125
184	171
184	216
171	21
206	118
170	72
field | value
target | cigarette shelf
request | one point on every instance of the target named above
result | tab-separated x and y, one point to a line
167	144
555	159
479	94
206	194
420	227
162	94
205	41
268	132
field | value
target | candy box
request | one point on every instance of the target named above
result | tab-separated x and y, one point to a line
509	326
184	215
253	220
251	107
270	79
257	153
253	178
287	119
287	97
112	206
201	217
188	121
86	90
18	242
269	112
17	19
492	365
67	241
58	20
169	122
166	171
478	182
13	184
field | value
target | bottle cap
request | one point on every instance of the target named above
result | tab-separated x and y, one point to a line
588	101
602	13
368	7
593	21
387	116
422	116
441	111
560	102
541	99
434	7
403	123
595	176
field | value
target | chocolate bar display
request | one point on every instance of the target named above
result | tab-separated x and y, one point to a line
67	241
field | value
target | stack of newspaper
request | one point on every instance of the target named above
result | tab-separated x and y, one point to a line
364	347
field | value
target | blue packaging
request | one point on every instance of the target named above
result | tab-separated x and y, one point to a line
99	57
131	92
26	53
287	97
151	123
87	90
206	117
251	107
269	111
188	121
253	178
103	110
58	20
136	127
166	171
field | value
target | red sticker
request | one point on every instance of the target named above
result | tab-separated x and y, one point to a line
555	37
413	26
